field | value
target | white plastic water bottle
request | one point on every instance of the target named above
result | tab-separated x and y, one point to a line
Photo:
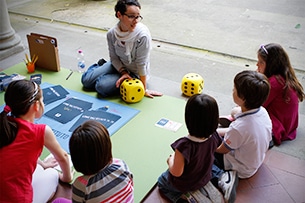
81	61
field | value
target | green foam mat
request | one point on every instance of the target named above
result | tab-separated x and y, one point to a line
140	143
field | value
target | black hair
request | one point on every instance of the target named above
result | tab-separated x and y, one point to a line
19	96
90	147
121	6
253	87
201	115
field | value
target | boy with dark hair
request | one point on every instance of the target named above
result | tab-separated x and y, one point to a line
246	141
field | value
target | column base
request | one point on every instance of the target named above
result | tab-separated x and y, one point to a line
11	50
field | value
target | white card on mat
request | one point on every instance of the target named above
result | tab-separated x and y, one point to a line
168	124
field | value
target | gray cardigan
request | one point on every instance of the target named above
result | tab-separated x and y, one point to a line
140	53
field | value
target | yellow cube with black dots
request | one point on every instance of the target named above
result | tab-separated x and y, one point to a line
132	90
192	83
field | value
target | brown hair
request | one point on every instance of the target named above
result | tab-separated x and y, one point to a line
90	147
278	63
253	87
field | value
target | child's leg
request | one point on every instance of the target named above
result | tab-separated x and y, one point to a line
217	168
216	174
167	189
227	181
44	184
218	160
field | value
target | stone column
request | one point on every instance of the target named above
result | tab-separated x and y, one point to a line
10	42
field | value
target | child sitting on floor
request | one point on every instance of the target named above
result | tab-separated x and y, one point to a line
246	141
190	166
104	179
21	144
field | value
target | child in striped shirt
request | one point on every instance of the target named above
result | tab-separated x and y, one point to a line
104	179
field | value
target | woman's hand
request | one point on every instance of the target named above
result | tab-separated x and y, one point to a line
152	93
121	79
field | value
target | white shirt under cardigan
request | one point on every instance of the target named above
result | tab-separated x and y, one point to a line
134	53
248	138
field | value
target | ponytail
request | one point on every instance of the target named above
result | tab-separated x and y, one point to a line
8	128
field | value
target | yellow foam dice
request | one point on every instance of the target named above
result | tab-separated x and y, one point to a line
132	90
192	83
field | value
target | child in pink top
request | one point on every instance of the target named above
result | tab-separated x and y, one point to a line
285	94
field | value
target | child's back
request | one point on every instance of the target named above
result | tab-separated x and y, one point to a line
199	158
249	137
190	166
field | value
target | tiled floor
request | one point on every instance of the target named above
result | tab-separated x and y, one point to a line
281	178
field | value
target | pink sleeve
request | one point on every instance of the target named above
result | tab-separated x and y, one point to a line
275	89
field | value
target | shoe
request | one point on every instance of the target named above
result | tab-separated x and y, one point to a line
225	121
101	62
228	183
271	144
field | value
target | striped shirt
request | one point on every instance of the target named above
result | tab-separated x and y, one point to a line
112	184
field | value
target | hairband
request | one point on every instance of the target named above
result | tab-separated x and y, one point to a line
264	48
35	92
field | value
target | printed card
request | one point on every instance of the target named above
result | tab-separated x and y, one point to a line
168	124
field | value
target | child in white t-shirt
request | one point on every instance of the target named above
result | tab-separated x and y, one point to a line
246	140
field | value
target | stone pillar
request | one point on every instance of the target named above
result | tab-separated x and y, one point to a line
10	42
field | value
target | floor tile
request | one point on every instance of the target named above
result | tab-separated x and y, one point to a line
293	184
271	194
285	162
262	178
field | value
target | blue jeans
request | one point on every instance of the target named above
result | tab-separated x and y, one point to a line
217	168
167	188
216	173
102	79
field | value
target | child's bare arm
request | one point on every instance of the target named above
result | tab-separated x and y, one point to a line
222	149
60	155
176	163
